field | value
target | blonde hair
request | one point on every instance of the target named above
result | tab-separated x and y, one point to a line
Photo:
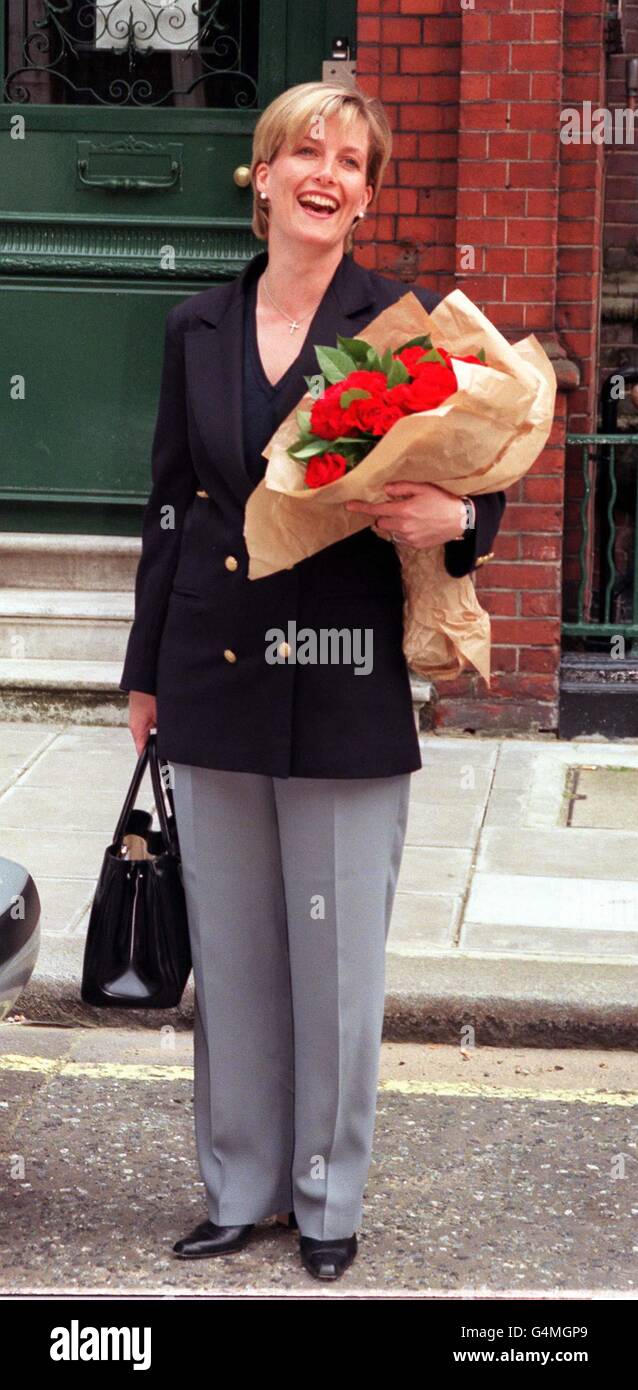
288	117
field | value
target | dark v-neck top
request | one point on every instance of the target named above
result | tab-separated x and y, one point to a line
262	411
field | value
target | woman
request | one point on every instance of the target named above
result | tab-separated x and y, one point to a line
291	779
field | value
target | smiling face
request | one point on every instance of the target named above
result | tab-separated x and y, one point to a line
317	185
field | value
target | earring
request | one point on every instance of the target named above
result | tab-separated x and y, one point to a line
262	195
361	215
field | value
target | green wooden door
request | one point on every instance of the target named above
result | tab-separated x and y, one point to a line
121	126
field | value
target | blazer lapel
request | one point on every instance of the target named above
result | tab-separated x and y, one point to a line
214	351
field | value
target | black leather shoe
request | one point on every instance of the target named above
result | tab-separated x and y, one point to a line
209	1239
327	1259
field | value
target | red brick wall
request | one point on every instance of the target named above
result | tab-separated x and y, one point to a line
474	98
620	240
408	54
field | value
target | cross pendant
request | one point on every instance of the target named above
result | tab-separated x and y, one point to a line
293	325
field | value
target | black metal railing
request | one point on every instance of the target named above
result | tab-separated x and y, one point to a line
607	607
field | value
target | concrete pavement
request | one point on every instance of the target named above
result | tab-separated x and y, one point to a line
516	915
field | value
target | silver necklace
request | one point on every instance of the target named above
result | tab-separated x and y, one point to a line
294	323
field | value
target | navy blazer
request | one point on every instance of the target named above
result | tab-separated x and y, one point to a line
205	638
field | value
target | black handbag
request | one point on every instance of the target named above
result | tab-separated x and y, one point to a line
137	952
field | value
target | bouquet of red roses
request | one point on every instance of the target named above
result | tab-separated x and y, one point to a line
368	394
470	414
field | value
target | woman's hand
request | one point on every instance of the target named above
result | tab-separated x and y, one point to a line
419	514
142	717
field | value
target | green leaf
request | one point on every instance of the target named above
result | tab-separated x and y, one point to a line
359	439
422	340
373	361
355	393
349	445
433	356
386	361
308	448
334	364
481	355
356	348
397	373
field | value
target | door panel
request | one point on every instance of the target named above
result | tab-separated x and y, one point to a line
107	175
86	412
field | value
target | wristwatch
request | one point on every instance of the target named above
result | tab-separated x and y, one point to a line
469	520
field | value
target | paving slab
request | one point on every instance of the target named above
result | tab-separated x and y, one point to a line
560	852
443	823
423	920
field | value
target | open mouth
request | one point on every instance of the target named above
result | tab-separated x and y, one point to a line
318	204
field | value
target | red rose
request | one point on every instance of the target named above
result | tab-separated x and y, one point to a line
367	381
429	389
327	419
373	415
324	468
326	415
410	359
363	408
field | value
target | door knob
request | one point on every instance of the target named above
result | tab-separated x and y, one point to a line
242	175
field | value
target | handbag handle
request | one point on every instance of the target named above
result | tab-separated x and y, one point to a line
168	830
169	835
131	794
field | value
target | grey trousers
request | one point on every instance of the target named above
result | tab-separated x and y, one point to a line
289	886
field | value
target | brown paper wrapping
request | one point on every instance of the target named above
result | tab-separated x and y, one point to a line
481	439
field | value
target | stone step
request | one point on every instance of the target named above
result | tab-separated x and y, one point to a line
82	692
52	624
86	692
32	560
